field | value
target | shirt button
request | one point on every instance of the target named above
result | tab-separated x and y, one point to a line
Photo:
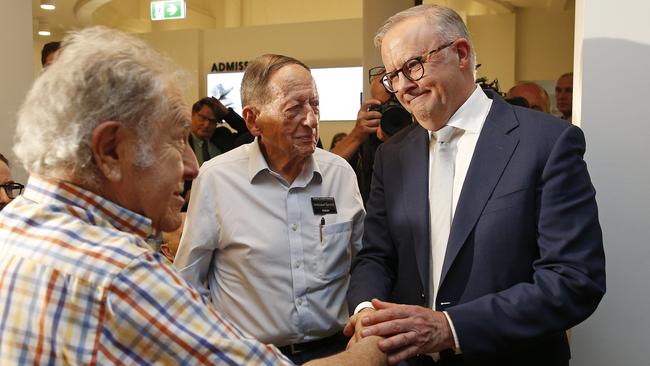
299	301
297	265
294	227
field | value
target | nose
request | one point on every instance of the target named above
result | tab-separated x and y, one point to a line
404	84
311	120
190	164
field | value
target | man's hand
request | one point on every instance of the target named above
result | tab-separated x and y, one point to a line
353	327
367	123
408	330
365	352
367	120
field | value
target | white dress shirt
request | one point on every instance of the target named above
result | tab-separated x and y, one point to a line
256	241
469	119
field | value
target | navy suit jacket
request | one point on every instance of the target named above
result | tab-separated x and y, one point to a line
524	259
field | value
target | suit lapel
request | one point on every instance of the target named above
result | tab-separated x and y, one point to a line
494	148
414	163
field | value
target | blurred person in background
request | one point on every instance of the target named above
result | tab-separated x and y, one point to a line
8	188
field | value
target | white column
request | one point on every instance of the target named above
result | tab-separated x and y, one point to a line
612	73
16	73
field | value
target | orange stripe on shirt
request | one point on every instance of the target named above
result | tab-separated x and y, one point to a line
41	323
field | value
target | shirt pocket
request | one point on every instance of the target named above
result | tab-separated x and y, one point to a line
334	251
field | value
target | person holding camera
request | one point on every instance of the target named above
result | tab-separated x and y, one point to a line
379	117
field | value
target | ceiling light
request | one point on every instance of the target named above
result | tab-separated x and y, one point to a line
43	28
48	5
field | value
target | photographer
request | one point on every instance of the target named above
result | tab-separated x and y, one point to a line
379	117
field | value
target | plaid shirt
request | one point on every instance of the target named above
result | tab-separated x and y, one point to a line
79	285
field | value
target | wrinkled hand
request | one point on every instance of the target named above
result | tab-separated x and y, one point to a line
408	330
353	327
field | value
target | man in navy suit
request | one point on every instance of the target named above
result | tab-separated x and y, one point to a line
490	261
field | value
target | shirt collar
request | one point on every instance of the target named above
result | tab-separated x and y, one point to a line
50	191
471	115
258	164
197	141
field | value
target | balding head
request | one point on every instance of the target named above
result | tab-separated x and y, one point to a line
534	94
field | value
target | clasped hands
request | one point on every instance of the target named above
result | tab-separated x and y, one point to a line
408	330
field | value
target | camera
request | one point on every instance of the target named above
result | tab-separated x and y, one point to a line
393	116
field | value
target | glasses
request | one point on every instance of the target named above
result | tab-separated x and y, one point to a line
206	118
12	189
374	72
413	69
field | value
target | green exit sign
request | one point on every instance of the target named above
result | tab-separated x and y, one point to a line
167	9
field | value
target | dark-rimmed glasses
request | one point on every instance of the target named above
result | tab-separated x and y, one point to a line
374	72
206	118
12	189
413	69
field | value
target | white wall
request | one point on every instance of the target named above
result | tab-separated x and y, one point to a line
16	74
613	42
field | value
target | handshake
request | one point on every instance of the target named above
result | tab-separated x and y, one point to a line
406	330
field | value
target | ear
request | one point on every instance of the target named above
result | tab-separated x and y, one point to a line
105	139
464	53
250	115
167	252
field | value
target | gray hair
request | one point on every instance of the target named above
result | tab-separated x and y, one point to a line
101	75
447	24
256	78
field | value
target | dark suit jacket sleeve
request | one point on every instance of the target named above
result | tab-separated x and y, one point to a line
568	277
236	122
224	138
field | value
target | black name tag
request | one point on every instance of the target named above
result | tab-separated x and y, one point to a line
323	205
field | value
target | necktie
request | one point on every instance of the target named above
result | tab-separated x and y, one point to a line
205	151
442	160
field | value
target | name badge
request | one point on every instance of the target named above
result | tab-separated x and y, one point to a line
323	205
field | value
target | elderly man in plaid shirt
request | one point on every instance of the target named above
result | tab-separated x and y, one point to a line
103	133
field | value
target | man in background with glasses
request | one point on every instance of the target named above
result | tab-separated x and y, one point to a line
209	137
10	189
481	242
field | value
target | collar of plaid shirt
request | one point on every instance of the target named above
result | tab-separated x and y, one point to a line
42	190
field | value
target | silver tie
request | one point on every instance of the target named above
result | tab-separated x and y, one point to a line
442	160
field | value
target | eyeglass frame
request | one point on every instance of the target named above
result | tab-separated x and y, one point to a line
6	188
206	118
372	74
422	59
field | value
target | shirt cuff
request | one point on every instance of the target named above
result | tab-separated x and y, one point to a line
363	305
453	332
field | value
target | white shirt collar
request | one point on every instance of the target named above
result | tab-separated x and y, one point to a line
257	164
471	115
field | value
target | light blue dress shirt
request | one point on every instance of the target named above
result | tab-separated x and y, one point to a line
256	242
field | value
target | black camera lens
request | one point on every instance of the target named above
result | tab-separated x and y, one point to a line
393	116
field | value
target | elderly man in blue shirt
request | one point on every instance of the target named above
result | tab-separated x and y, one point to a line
273	225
